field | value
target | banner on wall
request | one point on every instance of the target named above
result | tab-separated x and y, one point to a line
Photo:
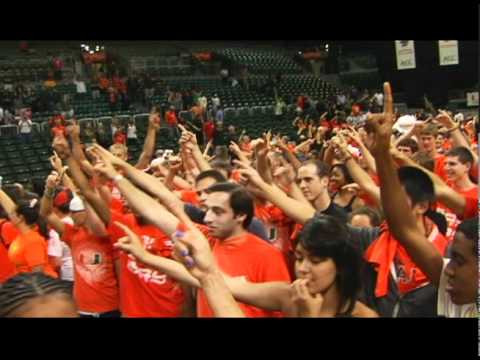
448	52
405	50
472	98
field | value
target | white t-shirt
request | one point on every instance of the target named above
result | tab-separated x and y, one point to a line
216	101
131	132
445	306
203	101
58	248
279	108
81	88
379	99
25	126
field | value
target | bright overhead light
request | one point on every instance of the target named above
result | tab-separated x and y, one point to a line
91	51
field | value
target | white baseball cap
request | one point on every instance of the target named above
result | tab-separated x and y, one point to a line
459	117
76	204
405	123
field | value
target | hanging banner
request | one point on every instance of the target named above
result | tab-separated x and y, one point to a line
405	54
448	52
472	98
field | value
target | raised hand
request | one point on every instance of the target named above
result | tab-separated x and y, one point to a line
234	148
56	162
382	123
249	173
445	119
154	120
354	188
130	243
73	130
307	305
105	168
52	181
193	251
105	156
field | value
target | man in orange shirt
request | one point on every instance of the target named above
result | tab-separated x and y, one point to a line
229	212
427	139
458	163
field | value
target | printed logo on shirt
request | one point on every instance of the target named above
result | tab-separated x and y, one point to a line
145	274
90	264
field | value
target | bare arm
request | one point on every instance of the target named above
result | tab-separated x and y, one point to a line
444	193
399	216
296	210
271	296
74	132
369	159
234	148
149	145
46	206
144	204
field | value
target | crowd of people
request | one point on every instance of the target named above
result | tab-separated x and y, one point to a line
367	215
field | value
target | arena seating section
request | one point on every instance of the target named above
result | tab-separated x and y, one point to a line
250	109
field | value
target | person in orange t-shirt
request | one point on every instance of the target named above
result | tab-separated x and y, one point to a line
7	268
95	286
237	252
8	233
28	251
145	291
458	163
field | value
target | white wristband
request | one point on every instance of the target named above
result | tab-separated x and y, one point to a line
117	178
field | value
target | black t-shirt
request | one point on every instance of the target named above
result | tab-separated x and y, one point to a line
335	211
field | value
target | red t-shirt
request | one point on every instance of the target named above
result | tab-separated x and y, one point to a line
95	287
120	138
439	167
7	268
28	251
278	225
452	219
209	128
471	207
59	131
171	118
190	197
251	257
146	292
9	233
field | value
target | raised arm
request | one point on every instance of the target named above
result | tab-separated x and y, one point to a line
149	145
189	141
296	210
61	146
458	139
369	159
144	204
46	205
359	175
394	199
78	154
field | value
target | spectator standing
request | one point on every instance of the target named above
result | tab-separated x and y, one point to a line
25	128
